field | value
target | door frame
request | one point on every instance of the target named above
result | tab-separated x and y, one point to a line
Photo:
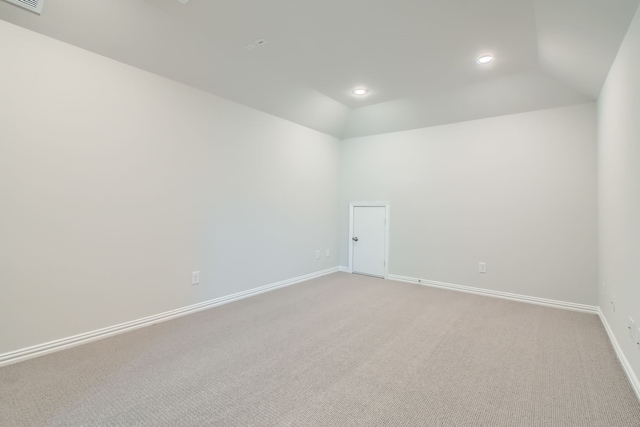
387	207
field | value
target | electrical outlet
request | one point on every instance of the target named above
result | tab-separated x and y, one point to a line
638	338
195	277
328	253
318	254
632	328
613	302
482	267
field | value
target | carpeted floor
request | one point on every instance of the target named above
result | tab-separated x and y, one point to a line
342	350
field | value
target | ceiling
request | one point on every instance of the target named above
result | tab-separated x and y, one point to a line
418	57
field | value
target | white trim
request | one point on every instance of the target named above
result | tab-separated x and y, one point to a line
499	294
345	269
633	380
387	207
52	346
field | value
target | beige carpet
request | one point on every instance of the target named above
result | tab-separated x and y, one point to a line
342	350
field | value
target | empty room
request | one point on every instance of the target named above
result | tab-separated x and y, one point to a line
320	213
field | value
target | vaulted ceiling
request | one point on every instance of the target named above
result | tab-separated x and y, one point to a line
417	57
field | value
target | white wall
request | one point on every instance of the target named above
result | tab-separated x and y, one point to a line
517	192
115	184
619	193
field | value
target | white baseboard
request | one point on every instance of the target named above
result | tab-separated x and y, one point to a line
61	344
344	269
499	294
633	379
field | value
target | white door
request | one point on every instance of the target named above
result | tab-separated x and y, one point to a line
368	240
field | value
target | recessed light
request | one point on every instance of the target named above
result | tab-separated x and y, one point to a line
485	59
360	91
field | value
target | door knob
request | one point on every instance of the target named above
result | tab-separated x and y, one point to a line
355	239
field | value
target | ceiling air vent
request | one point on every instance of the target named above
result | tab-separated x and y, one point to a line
32	5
